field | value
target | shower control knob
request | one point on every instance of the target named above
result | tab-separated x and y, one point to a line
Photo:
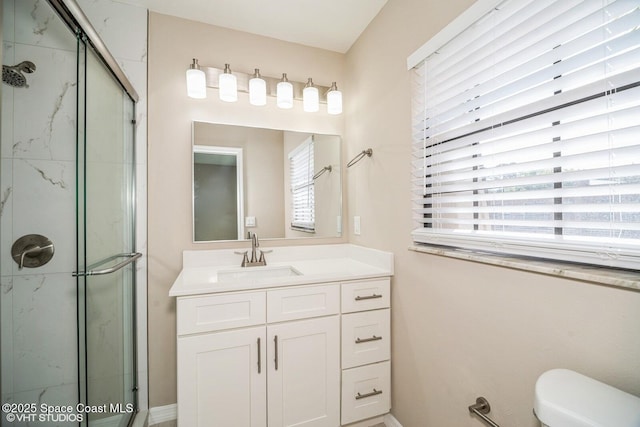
32	250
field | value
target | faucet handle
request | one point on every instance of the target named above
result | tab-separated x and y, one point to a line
245	257
262	255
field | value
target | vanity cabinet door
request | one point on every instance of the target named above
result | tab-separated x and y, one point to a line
304	373
222	379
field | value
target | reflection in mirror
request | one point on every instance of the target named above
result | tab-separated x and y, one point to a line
283	184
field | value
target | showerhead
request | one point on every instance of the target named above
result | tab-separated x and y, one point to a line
13	75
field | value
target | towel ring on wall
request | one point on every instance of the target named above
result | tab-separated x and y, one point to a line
368	152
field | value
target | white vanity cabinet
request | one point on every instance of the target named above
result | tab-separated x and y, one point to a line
284	372
259	348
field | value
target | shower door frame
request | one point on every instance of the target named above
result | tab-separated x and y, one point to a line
70	12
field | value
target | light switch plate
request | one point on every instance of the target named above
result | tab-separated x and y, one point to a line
250	221
356	225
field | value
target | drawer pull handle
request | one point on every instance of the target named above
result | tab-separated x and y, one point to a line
373	393
374	296
373	338
259	358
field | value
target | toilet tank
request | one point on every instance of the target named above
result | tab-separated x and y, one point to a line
564	398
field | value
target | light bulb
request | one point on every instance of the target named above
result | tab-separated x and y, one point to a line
257	89
196	81
310	97
284	93
228	85
334	100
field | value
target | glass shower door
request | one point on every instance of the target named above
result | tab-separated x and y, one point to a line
106	245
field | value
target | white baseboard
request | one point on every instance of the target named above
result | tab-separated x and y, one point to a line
160	414
390	421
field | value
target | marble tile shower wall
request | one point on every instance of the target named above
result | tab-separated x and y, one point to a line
37	190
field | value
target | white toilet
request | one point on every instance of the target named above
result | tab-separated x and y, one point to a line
567	399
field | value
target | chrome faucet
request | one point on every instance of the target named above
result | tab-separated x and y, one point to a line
254	245
255	260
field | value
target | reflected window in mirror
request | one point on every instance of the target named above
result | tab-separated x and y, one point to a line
302	190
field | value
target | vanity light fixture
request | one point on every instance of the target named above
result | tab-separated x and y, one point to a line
284	93
310	97
334	100
196	81
228	85
257	89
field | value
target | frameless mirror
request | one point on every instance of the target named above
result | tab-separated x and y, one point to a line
276	183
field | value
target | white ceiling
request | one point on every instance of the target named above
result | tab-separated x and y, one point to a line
328	24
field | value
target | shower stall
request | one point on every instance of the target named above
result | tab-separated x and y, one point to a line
67	211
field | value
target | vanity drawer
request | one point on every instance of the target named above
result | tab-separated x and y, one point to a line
366	392
302	303
365	338
365	295
217	312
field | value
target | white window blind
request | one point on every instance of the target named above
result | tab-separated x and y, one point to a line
526	133
302	189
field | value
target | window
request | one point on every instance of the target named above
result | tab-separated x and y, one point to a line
526	132
302	188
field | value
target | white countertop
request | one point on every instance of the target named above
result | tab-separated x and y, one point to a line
316	264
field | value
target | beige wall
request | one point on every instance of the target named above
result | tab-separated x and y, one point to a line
173	42
462	329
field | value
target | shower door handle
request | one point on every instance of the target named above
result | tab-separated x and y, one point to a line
91	272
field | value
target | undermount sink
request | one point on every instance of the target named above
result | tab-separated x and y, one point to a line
256	273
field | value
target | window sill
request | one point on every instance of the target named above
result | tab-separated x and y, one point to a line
594	274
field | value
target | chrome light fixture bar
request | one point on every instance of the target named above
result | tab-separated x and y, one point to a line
277	87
